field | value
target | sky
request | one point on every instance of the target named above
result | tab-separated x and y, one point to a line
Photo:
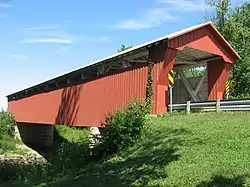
42	39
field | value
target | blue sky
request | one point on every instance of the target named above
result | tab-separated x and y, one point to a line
40	39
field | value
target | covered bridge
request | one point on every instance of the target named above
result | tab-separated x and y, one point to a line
83	97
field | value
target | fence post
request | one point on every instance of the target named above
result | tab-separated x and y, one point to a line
188	107
217	105
171	99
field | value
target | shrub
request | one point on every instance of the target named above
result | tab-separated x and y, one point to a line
7	141
6	124
122	129
240	96
24	171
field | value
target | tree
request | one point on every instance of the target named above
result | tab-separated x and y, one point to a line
194	72
237	32
234	25
123	48
222	8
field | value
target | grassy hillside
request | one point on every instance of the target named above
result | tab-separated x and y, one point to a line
210	149
181	150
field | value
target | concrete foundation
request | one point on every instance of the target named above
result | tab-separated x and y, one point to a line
38	134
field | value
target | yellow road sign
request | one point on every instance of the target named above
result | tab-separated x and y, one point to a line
171	79
227	91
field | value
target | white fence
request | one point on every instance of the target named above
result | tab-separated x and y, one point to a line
219	105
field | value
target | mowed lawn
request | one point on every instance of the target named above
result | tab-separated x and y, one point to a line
208	149
203	150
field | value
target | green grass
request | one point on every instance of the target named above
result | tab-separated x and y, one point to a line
8	145
200	150
72	135
207	149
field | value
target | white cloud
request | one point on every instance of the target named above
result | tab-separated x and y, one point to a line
19	56
48	40
186	5
167	11
55	33
151	18
51	33
133	24
44	31
5	5
43	27
95	39
66	49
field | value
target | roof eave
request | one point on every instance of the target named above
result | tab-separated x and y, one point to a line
225	41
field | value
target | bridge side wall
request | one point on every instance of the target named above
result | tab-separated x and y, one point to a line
85	104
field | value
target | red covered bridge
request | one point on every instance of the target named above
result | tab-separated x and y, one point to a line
84	97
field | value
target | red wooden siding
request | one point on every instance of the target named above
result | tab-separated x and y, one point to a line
156	74
203	39
86	104
218	74
162	84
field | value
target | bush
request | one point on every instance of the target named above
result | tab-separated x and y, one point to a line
122	129
6	124
11	171
7	141
240	96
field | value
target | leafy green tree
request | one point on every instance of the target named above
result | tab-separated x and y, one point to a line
123	48
237	32
234	25
222	8
194	72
